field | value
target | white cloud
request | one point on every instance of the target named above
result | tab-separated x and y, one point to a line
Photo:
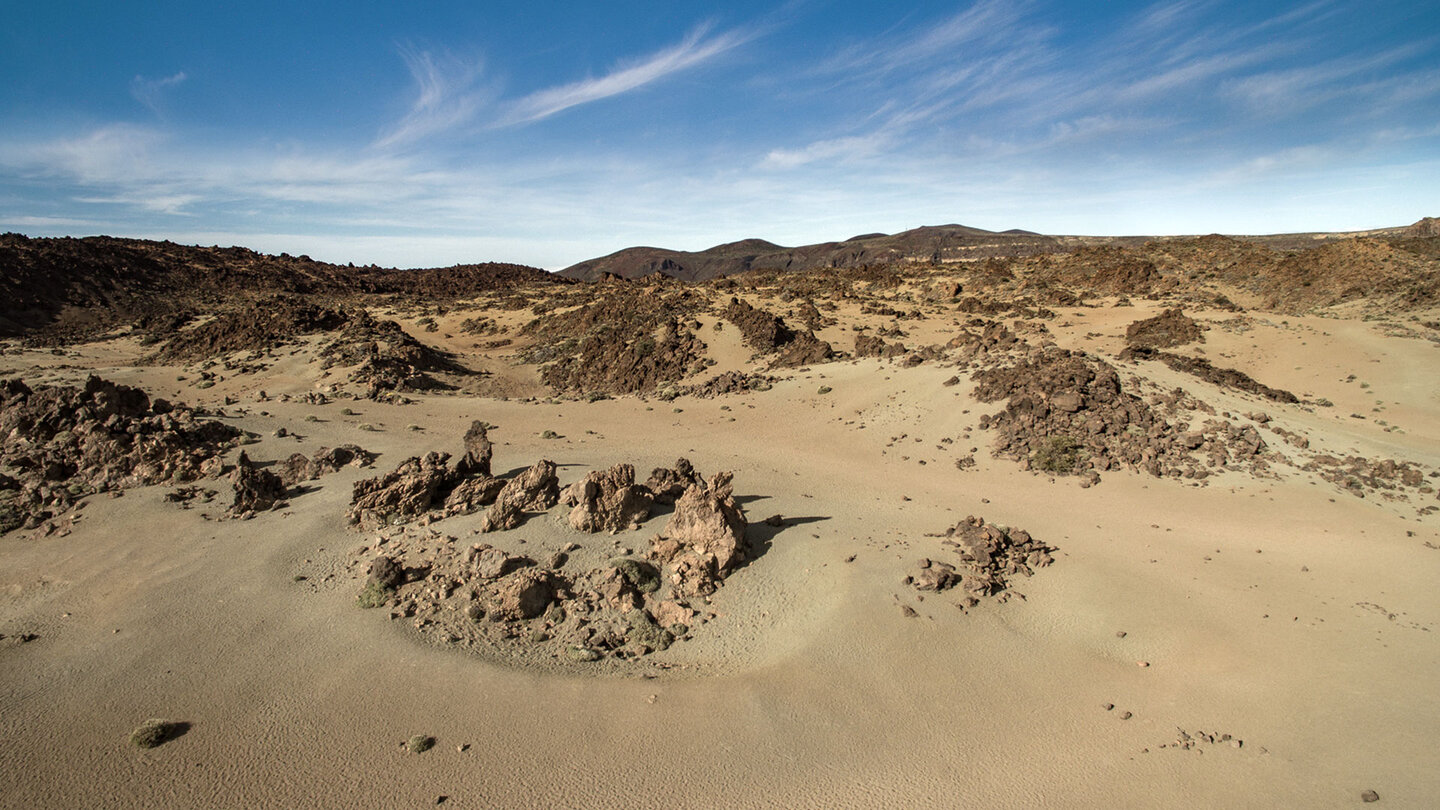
834	149
694	50
149	91
445	96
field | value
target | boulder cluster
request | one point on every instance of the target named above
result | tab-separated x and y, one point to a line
985	559
1068	413
1170	328
584	602
59	444
766	333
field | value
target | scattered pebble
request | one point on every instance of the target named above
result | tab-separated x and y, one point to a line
1369	796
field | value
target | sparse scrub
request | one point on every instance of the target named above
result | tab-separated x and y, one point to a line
154	732
419	744
374	595
1057	454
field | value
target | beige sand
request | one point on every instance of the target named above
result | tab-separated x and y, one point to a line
1296	618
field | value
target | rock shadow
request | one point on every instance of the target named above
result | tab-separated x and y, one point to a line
761	535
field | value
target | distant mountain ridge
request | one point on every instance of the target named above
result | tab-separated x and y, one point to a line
86	283
930	243
937	243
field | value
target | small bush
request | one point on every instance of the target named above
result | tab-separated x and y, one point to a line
348	412
419	744
311	418
549	434
1057	454
366	426
155	732
374	595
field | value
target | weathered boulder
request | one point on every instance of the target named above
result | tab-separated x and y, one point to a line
523	595
256	490
471	494
533	490
400	495
478	451
484	561
669	483
989	557
607	500
709	521
386	573
705	538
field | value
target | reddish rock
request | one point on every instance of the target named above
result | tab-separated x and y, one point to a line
1169	328
471	494
523	595
256	490
478	451
405	493
607	500
669	483
533	490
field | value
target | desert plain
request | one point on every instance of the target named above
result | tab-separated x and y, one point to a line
1142	524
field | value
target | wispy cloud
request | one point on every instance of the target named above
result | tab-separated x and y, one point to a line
829	150
445	96
696	49
149	92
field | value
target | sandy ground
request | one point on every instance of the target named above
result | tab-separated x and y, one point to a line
1296	618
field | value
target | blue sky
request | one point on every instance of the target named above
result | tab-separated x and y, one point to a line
430	133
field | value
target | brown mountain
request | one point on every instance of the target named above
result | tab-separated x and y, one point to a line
80	285
936	243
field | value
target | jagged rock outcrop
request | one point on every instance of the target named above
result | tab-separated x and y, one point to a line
406	492
705	538
669	483
607	501
986	559
478	451
1067	412
299	467
256	490
61	443
766	333
1169	328
534	490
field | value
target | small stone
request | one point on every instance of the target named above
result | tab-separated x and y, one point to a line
1119	634
1108	706
1126	715
1369	796
1142	664
909	612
